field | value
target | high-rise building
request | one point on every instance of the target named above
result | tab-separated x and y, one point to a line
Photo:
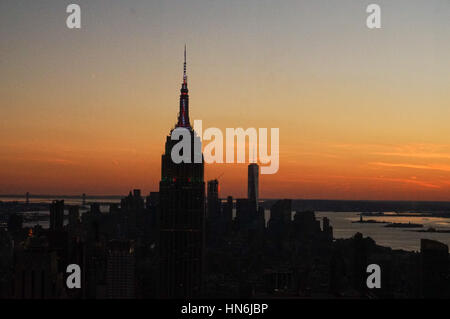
227	214
434	269
213	200
57	215
6	264
245	211
120	270
306	225
133	202
152	206
228	209
253	183
152	200
15	223
182	211
35	272
151	221
74	215
74	220
280	220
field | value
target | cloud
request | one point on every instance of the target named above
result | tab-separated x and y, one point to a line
320	179
443	168
409	181
58	161
415	155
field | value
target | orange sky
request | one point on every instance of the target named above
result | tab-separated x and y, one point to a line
362	114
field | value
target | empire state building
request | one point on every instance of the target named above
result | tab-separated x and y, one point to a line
181	215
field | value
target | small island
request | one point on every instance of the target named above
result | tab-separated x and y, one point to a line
388	224
404	225
369	221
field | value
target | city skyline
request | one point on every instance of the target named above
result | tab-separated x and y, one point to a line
224	157
356	122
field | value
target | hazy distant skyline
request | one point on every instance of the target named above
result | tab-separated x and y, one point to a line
363	114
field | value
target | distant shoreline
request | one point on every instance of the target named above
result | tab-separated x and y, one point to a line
22	196
262	199
324	205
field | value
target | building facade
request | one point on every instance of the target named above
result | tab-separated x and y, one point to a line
181	214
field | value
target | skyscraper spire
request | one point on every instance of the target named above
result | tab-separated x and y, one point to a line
181	213
184	73
183	116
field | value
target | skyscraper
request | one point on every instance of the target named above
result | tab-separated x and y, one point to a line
120	270
227	213
213	200
181	214
434	269
57	215
74	220
253	183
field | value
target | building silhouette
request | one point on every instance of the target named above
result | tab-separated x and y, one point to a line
74	218
227	214
253	183
213	200
36	271
181	214
434	269
245	212
57	215
120	270
182	243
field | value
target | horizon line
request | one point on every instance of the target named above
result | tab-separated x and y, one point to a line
263	199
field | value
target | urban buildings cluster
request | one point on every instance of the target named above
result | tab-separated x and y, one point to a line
186	241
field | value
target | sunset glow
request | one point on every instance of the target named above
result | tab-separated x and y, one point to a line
362	114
